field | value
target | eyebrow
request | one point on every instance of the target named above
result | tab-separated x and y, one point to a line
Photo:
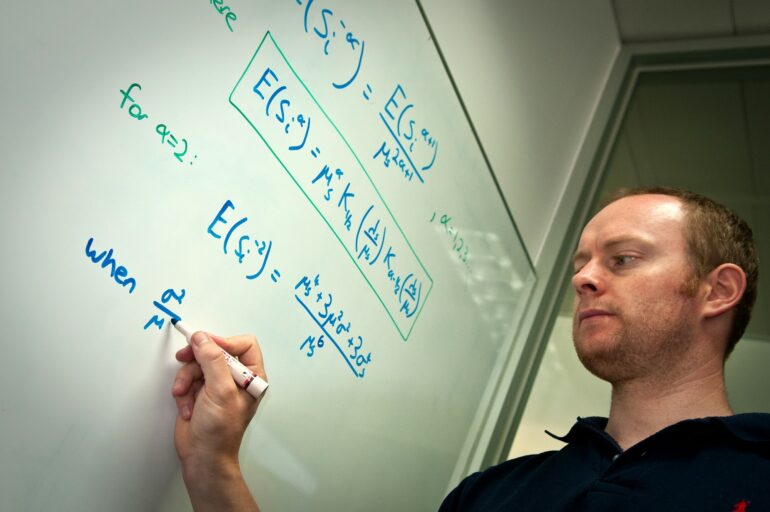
609	244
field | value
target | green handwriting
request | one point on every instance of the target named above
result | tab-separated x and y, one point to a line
224	11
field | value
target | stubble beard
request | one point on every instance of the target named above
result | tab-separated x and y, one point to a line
650	346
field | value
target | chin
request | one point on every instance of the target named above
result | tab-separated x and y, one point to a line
607	370
603	358
590	347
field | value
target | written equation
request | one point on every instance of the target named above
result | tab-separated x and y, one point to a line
254	253
459	245
411	149
329	317
307	144
119	274
245	247
408	146
134	109
231	229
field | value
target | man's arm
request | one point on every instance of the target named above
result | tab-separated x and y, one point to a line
213	414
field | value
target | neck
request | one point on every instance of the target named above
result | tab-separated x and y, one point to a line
641	407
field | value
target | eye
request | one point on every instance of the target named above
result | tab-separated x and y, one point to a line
623	259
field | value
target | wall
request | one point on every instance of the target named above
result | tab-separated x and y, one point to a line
531	73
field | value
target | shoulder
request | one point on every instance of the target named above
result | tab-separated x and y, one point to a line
490	487
510	468
739	433
751	427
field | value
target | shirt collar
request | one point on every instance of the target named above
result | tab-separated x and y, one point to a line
588	428
749	427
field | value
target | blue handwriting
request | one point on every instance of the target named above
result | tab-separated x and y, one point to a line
409	146
161	306
245	248
413	149
321	22
330	319
275	102
118	272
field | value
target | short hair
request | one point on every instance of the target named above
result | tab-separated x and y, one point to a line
714	235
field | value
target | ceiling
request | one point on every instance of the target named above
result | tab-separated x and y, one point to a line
670	20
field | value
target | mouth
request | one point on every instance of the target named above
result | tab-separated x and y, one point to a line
592	313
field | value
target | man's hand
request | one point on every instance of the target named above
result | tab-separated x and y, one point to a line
213	416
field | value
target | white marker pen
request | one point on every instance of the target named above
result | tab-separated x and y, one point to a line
242	375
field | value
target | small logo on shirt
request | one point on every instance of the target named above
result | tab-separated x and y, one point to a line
741	506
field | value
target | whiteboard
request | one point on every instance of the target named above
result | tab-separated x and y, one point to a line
299	170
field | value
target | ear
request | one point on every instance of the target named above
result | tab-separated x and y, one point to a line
726	285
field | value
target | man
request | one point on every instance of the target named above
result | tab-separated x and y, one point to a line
665	281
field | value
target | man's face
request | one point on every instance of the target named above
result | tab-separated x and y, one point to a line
634	307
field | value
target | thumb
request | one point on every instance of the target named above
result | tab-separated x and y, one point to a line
213	364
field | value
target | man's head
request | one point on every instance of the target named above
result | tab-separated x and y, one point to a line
650	266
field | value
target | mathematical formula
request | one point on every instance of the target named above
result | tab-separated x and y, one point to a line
228	226
134	109
329	317
408	145
245	247
459	246
119	273
320	22
254	253
275	102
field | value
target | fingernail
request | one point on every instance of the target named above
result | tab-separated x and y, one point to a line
177	386
199	338
186	412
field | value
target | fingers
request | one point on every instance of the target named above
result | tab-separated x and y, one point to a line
186	402
204	362
189	379
212	362
185	355
185	377
246	348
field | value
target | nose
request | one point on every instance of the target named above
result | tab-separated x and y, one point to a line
588	280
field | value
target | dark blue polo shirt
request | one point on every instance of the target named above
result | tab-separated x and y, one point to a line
708	464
